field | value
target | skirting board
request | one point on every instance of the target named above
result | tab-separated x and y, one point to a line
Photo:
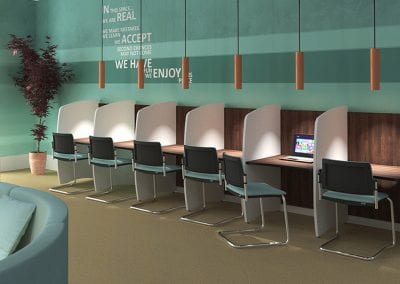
19	162
12	163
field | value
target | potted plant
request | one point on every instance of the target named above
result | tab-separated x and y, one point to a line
39	79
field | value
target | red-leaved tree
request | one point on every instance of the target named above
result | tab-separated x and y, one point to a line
39	78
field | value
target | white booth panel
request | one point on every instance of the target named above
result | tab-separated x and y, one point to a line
204	126
330	135
262	138
77	118
116	120
157	123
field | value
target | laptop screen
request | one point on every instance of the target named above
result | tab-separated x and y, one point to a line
303	145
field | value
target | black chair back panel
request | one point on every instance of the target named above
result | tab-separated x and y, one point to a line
201	159
63	143
347	177
233	168
148	153
101	148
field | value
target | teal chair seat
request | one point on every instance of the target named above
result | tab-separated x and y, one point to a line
255	190
110	163
70	157
203	176
353	199
157	169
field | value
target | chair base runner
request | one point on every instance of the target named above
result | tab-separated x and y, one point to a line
224	221
372	257
225	234
167	210
66	185
94	197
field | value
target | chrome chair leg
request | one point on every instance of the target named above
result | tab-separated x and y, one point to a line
69	184
94	197
225	234
357	256
188	218
137	206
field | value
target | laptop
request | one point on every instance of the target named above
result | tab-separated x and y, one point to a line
302	149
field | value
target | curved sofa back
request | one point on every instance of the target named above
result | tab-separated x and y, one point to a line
42	255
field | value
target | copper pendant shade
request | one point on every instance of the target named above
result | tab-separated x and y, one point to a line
299	70
140	65
102	67
140	73
237	57
238	71
185	64
374	61
185	72
299	59
102	74
374	69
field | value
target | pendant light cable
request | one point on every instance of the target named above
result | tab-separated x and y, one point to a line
141	31
374	27
102	21
299	26
185	29
237	18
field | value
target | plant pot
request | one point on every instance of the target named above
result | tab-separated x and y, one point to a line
37	162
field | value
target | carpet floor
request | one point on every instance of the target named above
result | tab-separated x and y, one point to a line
115	244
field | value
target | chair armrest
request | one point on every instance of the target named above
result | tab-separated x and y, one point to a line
220	173
319	184
163	165
183	169
245	187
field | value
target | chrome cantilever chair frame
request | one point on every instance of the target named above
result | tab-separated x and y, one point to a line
188	217
70	157
270	192
115	165
156	148
336	237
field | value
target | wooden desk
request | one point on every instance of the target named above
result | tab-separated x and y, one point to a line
179	150
84	141
378	171
275	161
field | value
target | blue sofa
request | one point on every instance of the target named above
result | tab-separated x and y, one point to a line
42	255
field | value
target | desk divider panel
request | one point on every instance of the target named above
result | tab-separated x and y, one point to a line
296	182
262	138
156	123
115	120
204	127
76	118
330	142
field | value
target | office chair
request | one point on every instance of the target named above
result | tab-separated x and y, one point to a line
201	164
148	159
64	149
236	183
103	154
351	183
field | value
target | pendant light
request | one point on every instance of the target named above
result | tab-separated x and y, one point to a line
140	65
102	75
238	57
374	62
185	63
299	57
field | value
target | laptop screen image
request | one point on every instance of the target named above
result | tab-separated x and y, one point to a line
303	145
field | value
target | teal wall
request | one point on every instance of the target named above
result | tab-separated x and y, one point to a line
336	37
16	17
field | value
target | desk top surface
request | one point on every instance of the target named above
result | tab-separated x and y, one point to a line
175	149
378	171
